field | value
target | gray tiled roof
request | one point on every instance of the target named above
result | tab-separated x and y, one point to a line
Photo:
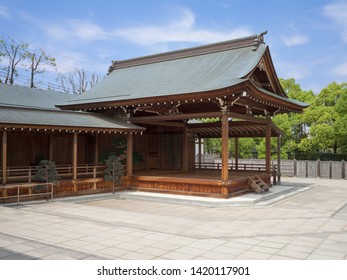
19	96
191	74
26	106
61	118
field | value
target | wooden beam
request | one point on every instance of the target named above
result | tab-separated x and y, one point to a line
68	129
171	124
74	157
129	155
185	149
225	152
268	148
176	117
4	157
218	124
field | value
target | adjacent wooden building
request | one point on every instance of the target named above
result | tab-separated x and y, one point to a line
151	109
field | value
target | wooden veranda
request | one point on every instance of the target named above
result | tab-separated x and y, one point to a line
151	102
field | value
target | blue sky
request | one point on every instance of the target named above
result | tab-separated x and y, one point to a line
307	39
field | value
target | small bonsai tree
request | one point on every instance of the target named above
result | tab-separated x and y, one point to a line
46	172
114	170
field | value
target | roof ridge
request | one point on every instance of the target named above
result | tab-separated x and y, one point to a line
254	40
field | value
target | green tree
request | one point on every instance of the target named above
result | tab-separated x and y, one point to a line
114	171
340	126
294	125
46	172
326	118
247	147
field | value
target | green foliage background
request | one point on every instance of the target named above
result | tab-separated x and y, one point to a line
320	132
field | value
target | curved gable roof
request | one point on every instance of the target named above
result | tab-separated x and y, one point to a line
199	69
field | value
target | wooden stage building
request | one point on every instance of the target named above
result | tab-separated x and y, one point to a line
152	110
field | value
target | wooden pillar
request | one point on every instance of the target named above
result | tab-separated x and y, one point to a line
279	158
96	150
50	148
268	148
129	155
185	149
199	144
74	157
4	157
225	152
236	153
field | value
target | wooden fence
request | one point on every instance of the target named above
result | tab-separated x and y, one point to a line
295	168
27	173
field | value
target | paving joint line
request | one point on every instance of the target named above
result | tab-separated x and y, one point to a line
63	249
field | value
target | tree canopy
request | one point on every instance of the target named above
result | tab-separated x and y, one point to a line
319	132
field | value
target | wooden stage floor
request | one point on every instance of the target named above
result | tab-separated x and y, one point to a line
202	182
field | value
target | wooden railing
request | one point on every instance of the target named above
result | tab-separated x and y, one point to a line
259	167
232	166
27	173
16	192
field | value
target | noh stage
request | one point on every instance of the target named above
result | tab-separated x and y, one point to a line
198	182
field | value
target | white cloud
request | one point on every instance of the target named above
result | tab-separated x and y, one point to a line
295	40
4	13
338	13
84	31
182	30
341	70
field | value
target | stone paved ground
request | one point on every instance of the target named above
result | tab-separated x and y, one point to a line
309	225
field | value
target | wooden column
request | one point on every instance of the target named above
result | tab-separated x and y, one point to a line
268	148
236	153
129	155
225	152
74	156
4	157
96	150
185	149
50	148
199	146
279	158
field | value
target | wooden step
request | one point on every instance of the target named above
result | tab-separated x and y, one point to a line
257	184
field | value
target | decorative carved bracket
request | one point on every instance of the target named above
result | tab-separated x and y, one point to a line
224	106
127	114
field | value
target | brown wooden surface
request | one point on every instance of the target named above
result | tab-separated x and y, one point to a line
4	156
204	182
268	148
74	159
225	151
185	148
129	154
